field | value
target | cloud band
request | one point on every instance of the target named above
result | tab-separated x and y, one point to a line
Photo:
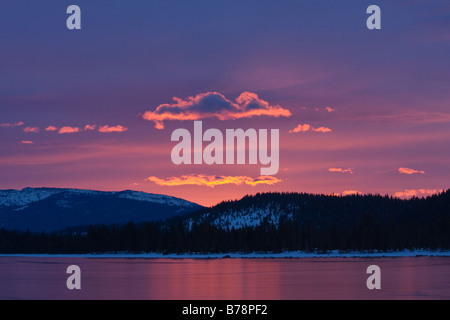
213	181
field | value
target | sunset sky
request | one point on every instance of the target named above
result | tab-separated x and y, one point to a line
358	110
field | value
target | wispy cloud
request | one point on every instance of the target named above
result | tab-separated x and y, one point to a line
26	142
321	129
214	105
89	127
306	127
109	129
409	193
213	181
31	130
329	109
65	130
410	171
51	128
11	125
301	128
341	170
410	117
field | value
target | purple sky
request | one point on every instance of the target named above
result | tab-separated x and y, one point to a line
383	94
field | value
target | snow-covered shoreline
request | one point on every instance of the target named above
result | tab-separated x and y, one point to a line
254	255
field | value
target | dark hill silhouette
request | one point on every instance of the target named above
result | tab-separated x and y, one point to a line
269	222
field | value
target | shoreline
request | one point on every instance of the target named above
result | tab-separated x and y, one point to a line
237	255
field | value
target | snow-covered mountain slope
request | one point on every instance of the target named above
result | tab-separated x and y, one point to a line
20	198
155	198
51	209
252	216
26	196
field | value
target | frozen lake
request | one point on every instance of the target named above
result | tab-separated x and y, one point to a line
224	279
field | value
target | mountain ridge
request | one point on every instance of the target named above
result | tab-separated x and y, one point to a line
53	209
29	195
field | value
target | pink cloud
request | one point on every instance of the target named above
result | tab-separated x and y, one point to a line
31	130
64	130
301	128
322	129
27	142
213	181
351	192
409	193
11	125
409	171
109	129
214	105
306	127
89	127
51	128
340	170
329	109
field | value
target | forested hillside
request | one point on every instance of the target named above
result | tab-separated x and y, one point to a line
264	222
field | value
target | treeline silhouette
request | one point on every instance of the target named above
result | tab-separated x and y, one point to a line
310	223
